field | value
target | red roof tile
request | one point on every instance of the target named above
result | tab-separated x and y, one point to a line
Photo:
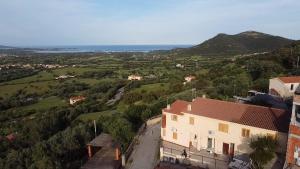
77	98
11	137
290	79
251	115
177	107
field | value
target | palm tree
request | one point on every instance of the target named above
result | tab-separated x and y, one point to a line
264	151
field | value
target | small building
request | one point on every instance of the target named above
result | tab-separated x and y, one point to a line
76	99
179	65
284	87
223	129
64	77
189	78
11	137
135	77
104	153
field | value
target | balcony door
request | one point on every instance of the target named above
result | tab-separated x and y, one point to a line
225	148
209	143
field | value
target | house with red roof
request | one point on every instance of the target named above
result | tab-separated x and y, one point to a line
218	127
284	87
76	99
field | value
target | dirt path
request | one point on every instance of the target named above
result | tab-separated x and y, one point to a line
145	154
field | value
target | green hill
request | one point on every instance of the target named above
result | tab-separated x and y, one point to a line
242	43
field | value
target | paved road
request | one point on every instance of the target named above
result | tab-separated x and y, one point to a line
145	154
116	97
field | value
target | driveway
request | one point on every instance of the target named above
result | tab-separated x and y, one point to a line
146	153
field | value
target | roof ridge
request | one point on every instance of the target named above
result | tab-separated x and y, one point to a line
251	105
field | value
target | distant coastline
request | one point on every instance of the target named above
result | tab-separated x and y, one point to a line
101	48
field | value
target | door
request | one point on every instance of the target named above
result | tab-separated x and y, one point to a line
209	143
225	148
231	151
193	140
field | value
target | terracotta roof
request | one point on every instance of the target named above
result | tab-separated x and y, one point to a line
77	98
11	137
177	107
251	115
290	79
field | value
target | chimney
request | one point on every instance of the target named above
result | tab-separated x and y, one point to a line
204	96
189	107
168	106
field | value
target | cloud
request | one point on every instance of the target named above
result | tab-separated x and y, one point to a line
71	22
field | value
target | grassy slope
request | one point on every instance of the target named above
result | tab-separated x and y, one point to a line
95	115
41	82
45	104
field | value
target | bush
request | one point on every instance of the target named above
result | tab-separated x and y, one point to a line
264	151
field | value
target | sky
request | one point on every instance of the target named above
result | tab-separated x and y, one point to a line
109	22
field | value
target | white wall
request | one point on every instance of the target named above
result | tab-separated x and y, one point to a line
202	126
284	89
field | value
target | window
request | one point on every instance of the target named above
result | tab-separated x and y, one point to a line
292	86
174	135
174	117
245	132
192	120
223	127
164	132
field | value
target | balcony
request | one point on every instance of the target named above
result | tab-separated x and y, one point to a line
203	158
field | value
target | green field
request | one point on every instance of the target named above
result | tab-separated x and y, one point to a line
45	104
41	82
153	87
35	87
95	115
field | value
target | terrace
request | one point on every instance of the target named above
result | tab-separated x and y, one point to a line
201	158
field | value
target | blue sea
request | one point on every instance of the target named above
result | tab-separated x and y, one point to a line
103	48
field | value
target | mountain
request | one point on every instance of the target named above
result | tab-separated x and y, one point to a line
6	47
242	43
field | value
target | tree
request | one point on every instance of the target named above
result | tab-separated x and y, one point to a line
264	150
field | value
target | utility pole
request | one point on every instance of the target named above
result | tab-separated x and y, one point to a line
95	127
194	93
297	62
234	88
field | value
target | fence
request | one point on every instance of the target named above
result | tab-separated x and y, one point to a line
194	158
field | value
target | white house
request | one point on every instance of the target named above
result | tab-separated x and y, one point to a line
189	78
64	77
134	77
178	65
284	86
220	127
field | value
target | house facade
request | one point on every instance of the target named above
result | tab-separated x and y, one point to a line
293	147
221	127
284	86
